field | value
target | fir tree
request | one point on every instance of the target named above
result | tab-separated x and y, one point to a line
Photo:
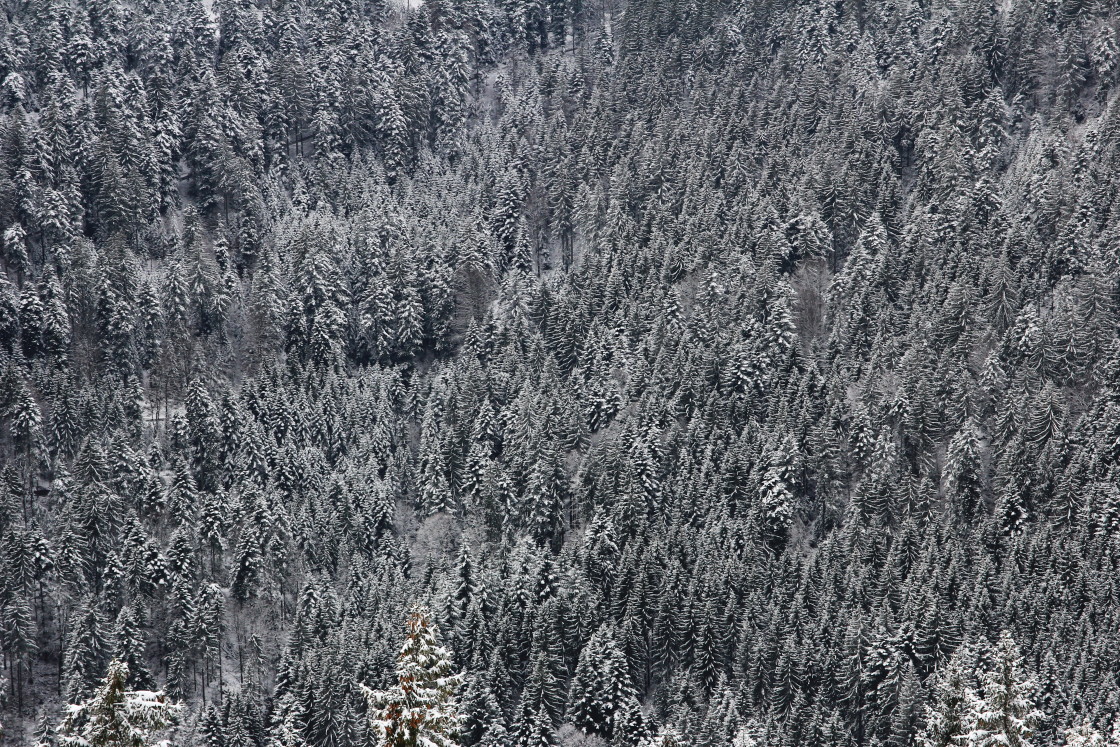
421	710
118	717
1002	712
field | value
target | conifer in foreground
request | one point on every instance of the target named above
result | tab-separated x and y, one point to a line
1005	715
421	710
117	717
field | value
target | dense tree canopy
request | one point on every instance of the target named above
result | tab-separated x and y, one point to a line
723	372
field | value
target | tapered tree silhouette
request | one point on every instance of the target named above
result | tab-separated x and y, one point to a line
117	717
421	710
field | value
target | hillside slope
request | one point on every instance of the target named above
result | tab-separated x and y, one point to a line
718	372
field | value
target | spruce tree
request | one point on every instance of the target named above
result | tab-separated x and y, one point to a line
1002	712
421	710
115	716
947	714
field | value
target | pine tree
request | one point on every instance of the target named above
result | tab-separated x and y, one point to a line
482	714
667	736
1002	713
117	717
1084	735
9	315
963	469
535	729
421	710
129	646
775	501
17	631
946	715
85	647
601	687
26	418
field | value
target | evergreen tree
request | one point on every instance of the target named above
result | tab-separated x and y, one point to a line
1003	711
1086	736
421	710
118	717
601	689
947	715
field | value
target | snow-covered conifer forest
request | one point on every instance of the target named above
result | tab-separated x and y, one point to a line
526	373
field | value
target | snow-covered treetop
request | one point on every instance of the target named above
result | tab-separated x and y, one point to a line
421	710
117	717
